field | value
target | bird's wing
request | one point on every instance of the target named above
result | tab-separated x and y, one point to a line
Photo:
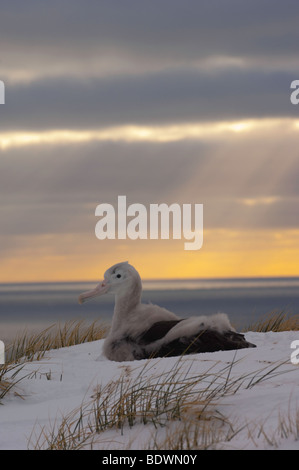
209	340
157	331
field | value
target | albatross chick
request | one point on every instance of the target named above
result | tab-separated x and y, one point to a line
141	331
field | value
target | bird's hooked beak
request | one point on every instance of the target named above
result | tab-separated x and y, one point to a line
101	289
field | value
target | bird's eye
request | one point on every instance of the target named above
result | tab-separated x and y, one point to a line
118	275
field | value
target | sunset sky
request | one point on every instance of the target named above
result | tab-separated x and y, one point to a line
162	101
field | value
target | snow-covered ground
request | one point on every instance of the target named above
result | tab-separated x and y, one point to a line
259	409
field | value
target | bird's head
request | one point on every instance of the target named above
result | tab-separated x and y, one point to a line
117	280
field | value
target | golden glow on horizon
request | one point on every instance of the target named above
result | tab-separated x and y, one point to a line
170	133
224	254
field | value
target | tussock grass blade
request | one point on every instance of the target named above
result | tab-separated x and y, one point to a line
276	321
27	347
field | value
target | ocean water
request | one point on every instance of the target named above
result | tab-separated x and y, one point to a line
32	307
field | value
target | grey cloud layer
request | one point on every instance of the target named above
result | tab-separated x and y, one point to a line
173	96
103	63
57	190
167	32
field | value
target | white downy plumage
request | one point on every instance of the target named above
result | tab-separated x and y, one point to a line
140	331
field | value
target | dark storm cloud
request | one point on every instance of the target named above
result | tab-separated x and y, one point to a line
161	98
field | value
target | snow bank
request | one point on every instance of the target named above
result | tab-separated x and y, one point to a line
262	408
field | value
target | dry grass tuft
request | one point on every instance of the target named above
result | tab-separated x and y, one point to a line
197	434
6	384
154	399
184	405
29	347
276	321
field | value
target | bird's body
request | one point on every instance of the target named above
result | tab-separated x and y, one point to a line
141	331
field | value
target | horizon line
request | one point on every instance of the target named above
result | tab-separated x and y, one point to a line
233	278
